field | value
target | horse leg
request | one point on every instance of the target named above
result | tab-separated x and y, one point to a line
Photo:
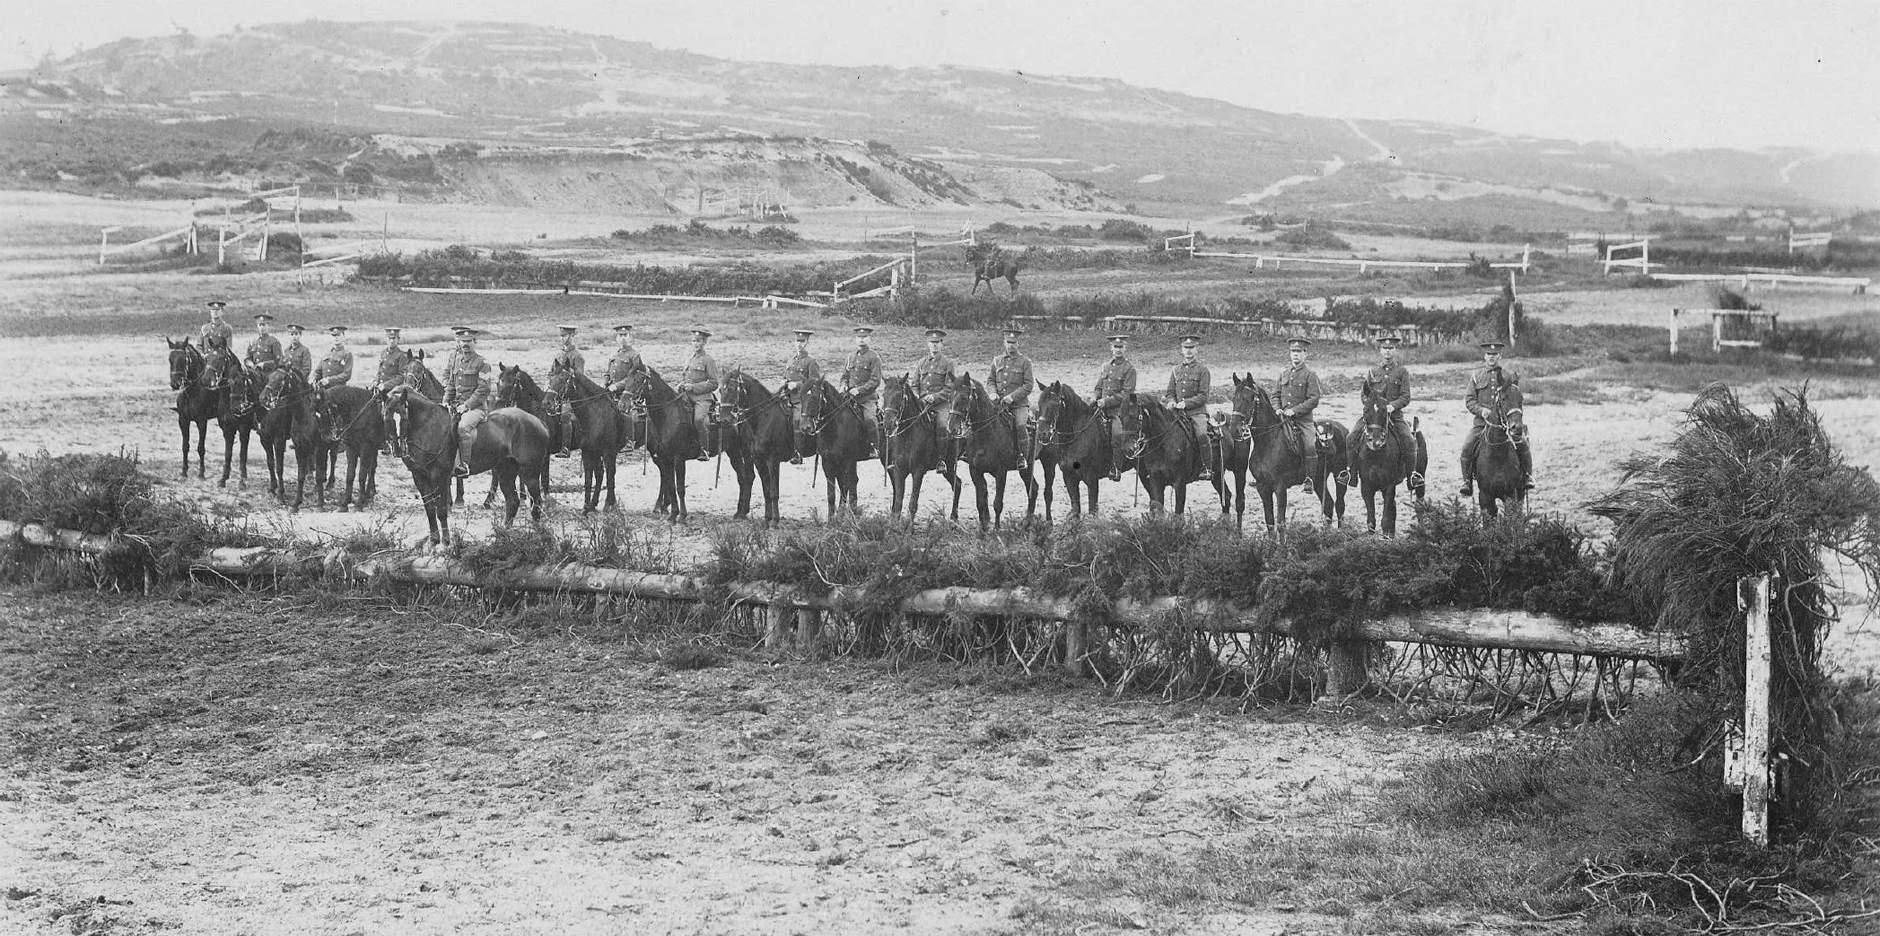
228	455
245	432
952	475
998	501
979	497
505	477
746	473
678	489
1390	510
611	464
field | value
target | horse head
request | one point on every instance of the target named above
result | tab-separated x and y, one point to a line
896	394
220	367
1252	403
185	362
513	385
1507	408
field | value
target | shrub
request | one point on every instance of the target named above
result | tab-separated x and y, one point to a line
1312	236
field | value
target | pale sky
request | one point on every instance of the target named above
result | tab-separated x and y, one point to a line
1648	73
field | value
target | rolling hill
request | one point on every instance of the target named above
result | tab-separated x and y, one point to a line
558	115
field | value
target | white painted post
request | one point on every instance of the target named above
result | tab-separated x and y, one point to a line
104	240
1645	257
1716	333
1756	714
1673	328
1513	304
297	234
385	233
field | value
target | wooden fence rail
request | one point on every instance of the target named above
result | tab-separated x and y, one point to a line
1477	627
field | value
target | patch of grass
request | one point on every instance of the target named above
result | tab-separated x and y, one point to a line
692	656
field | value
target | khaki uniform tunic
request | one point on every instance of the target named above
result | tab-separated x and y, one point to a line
298	357
624	362
862	374
1391	382
263	354
335	368
394	368
1479	395
1299	391
1011	377
217	334
933	379
467	380
1116	380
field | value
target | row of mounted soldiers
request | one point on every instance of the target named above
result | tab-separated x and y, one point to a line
468	391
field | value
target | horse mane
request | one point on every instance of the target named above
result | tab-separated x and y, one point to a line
750	384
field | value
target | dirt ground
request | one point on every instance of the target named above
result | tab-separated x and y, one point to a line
191	766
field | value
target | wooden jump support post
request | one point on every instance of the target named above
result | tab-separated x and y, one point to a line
1643	261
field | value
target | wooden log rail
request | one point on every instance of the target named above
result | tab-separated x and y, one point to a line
1477	627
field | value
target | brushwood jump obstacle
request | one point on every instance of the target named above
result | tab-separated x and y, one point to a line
1747	762
1187	242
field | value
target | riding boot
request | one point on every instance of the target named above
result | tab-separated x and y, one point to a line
1527	466
1314	466
797	444
1468	466
567	434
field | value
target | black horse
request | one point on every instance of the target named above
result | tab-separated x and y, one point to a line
353	421
1075	440
1497	462
1276	465
238	393
510	443
1163	449
599	431
195	402
671	437
992	440
916	444
1384	461
290	416
838	439
759	439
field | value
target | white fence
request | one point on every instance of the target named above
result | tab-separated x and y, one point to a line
1729	328
1643	261
186	233
1805	241
1187	242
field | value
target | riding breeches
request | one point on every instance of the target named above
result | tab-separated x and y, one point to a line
1024	438
467	433
1473	443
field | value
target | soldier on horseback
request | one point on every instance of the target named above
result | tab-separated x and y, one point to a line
1298	397
264	351
1188	394
1479	397
394	372
295	356
467	393
933	383
567	357
700	382
334	369
625	361
1390	382
1115	382
861	382
1011	385
797	377
217	333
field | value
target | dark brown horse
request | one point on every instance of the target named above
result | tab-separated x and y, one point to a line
838	439
238	395
195	402
290	415
1275	464
510	443
514	387
671	437
759	438
916	444
353	421
1497	463
1163	450
599	430
991	448
1230	467
991	262
1075	440
1384	461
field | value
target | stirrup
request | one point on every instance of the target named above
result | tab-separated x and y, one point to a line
565	453
461	471
1468	489
1344	477
1527	484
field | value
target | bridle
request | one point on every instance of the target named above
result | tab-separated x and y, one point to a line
732	413
1497	418
186	365
1060	403
820	393
1255	397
